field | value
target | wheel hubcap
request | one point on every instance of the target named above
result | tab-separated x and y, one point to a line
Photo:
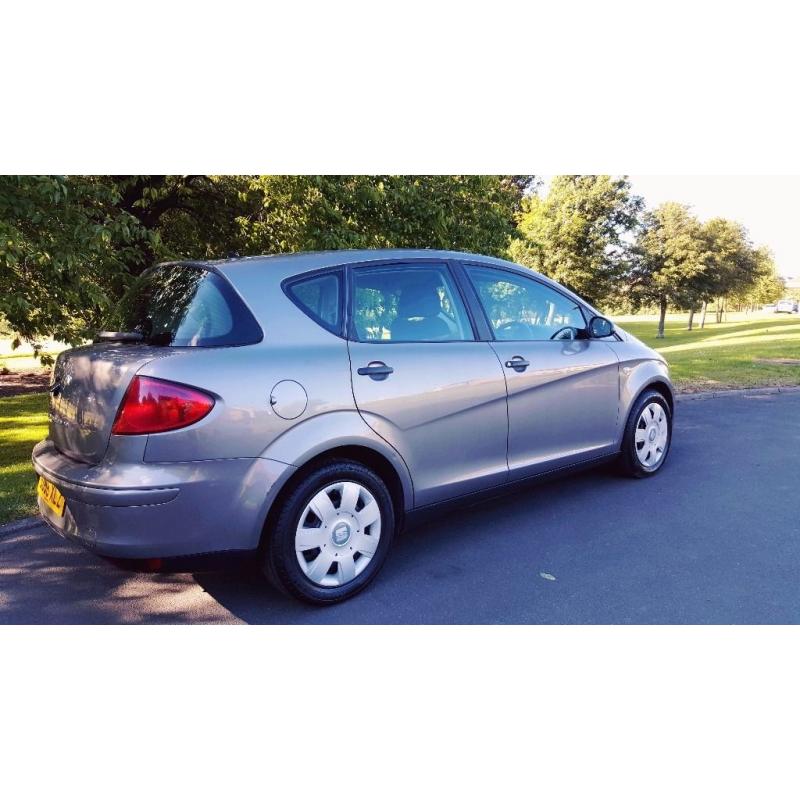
338	534
341	534
652	432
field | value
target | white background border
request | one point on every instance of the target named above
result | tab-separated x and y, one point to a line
624	87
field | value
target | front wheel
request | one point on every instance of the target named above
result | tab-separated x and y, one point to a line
332	534
648	435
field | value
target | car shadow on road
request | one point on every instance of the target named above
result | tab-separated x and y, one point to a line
441	550
47	580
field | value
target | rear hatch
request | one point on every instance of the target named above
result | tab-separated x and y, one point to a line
88	386
170	306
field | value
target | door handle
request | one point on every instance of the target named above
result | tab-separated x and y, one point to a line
376	370
518	364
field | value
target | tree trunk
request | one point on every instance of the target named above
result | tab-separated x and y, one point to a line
691	319
703	315
719	310
661	317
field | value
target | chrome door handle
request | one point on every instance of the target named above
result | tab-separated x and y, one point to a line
518	364
376	370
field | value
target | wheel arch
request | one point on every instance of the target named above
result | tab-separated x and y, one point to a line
370	457
664	388
638	377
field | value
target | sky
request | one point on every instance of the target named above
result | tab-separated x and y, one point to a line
767	205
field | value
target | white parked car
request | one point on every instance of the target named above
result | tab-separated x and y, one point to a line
786	307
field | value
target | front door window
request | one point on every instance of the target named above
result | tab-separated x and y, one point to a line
521	309
403	303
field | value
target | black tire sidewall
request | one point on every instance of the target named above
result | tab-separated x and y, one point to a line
630	461
280	560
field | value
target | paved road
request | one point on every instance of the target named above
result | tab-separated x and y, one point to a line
714	538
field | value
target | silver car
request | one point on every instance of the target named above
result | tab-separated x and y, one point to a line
302	407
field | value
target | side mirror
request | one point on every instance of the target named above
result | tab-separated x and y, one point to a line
600	327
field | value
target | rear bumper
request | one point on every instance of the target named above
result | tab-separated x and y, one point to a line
161	510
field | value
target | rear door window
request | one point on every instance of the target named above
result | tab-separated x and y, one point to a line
185	306
408	303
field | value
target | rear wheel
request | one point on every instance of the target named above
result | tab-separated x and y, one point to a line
332	534
648	435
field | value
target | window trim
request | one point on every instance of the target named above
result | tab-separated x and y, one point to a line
339	272
445	264
475	308
498	268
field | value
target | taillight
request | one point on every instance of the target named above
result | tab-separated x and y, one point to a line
153	406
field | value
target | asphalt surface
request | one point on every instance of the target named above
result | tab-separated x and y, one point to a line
714	538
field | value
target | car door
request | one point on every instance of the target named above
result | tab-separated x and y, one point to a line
423	382
563	387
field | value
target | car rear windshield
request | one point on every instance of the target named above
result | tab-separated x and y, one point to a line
185	306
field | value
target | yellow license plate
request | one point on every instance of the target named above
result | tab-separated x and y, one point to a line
54	499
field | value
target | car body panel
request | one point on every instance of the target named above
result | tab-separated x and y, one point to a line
564	407
87	388
243	422
322	433
443	409
639	367
177	509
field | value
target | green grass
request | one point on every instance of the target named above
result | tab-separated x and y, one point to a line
725	355
23	362
23	422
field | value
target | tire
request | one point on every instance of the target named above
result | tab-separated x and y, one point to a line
634	458
343	540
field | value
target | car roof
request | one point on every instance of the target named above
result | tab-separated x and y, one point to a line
297	263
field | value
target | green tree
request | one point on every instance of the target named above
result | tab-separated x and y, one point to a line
463	212
733	265
767	285
61	241
671	260
578	233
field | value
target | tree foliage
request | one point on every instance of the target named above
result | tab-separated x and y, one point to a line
195	216
62	242
767	286
681	263
577	233
463	212
732	262
671	259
